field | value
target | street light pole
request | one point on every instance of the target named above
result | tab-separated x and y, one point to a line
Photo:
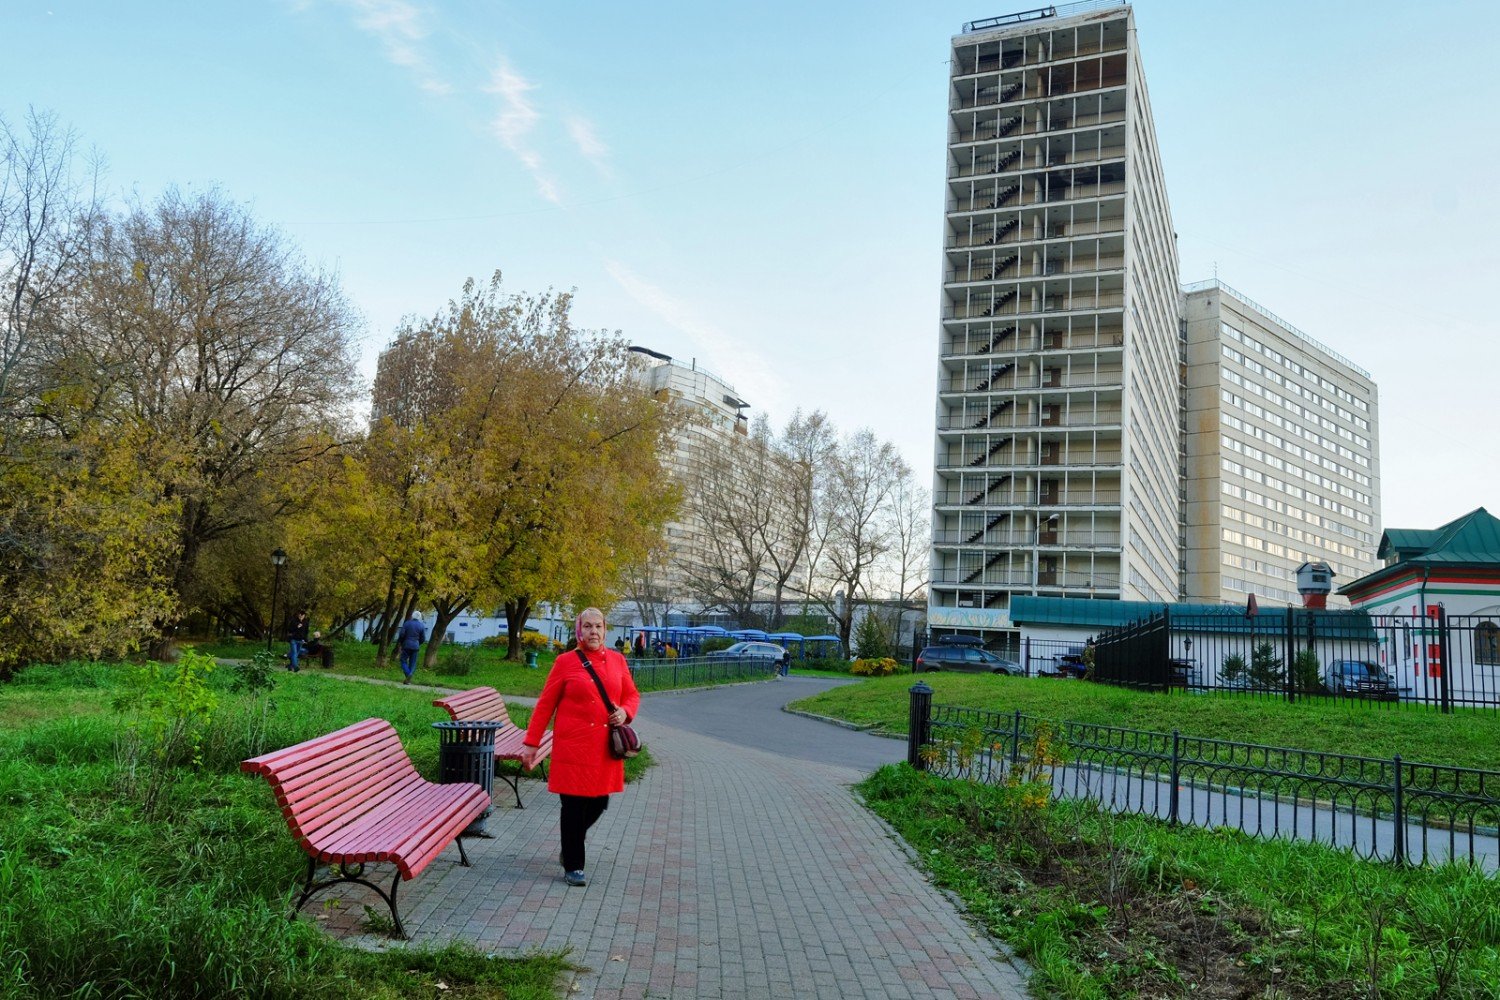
278	559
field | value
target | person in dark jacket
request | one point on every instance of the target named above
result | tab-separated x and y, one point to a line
296	637
413	633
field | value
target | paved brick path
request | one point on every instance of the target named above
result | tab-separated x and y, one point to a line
727	872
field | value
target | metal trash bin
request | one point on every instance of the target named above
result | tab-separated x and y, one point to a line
466	752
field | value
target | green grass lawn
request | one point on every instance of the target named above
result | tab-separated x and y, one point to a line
146	874
457	666
467	667
1464	739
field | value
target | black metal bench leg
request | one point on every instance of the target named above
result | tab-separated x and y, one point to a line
307	887
396	917
339	872
463	855
514	781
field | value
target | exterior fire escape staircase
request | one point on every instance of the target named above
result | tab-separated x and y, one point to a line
990	379
991	488
976	536
1000	302
987	564
985	458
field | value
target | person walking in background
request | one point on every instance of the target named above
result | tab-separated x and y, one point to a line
413	633
640	645
582	772
296	636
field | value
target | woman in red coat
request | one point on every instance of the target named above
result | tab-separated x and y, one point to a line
582	771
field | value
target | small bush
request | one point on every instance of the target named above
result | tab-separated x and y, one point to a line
169	709
535	640
457	661
1233	667
495	642
882	666
835	663
711	645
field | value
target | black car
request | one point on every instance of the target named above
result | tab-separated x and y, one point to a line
1360	679
965	658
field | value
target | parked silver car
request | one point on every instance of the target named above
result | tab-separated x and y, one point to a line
752	651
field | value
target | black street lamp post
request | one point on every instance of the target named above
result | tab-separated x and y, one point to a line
278	559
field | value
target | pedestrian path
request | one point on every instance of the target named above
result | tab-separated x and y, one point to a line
728	871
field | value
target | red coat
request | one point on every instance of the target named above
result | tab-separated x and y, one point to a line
581	764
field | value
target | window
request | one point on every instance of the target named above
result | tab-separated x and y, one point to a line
1487	644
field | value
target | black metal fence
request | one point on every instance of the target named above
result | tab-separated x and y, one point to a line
1433	659
696	671
1388	810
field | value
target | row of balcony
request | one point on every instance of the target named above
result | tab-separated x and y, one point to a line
1027	539
1056	116
1016	128
1004	379
970	60
997	194
1042	85
1075	499
1006	421
1036	414
1015	308
1011	266
1049	462
1079	579
1010	340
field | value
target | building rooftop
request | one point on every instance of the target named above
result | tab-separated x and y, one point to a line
1469	540
1212	283
1036	14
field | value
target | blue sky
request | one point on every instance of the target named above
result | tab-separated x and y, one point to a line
760	187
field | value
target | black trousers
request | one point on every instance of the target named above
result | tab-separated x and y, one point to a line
579	812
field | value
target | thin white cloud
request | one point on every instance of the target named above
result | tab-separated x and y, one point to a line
514	123
402	31
726	355
581	130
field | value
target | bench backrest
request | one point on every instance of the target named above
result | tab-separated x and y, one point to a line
332	780
481	704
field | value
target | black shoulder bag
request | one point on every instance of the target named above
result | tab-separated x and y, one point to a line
623	742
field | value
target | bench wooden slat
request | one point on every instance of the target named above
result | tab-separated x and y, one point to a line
391	834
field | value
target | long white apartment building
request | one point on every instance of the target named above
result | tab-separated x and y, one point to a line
1057	452
1281	454
714	414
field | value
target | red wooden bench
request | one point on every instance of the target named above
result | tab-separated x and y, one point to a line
484	704
353	798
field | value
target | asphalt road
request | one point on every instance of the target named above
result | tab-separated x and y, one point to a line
750	715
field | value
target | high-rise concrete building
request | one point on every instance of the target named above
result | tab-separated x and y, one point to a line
1057	453
1281	453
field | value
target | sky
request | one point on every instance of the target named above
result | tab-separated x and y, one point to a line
759	188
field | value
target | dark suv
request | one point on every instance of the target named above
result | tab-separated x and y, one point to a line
1360	679
965	658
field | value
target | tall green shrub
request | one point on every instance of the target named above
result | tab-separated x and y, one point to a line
1305	671
870	638
1265	665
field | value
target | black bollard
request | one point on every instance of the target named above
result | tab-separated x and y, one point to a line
919	724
